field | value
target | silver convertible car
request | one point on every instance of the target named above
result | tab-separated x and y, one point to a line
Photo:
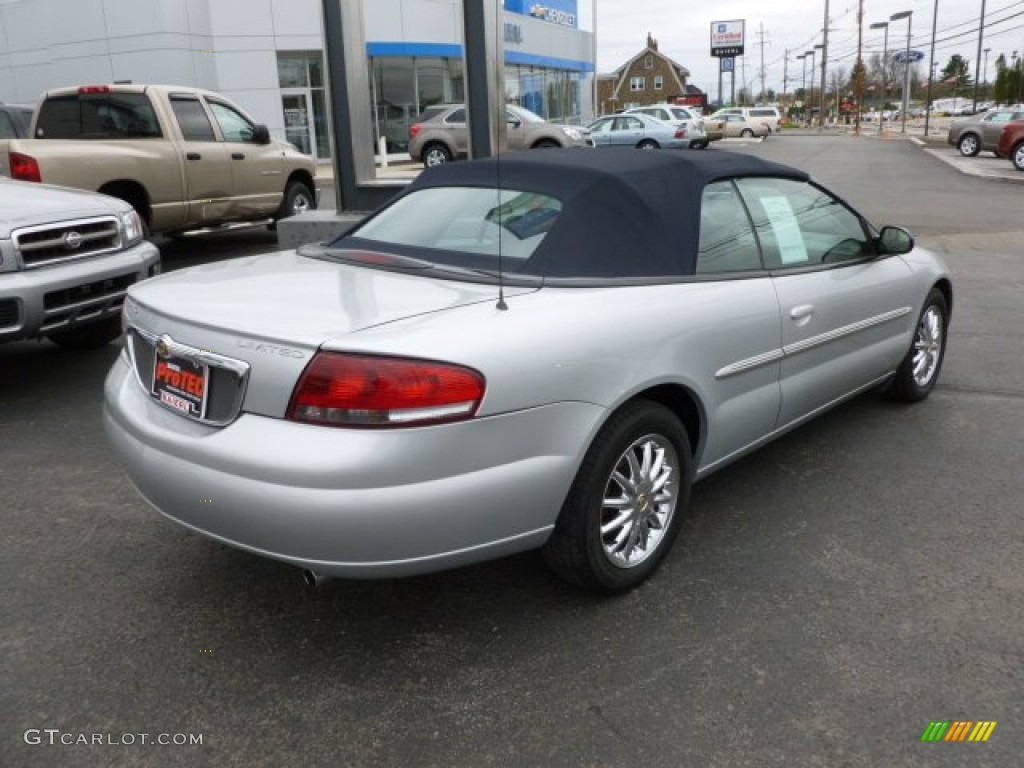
543	350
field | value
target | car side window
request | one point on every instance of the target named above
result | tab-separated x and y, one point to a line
192	120
233	126
458	116
799	225
627	124
602	126
727	242
7	129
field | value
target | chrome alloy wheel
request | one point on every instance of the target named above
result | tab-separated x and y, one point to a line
639	500
301	203
928	346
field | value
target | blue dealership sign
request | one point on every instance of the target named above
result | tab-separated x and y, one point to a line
561	12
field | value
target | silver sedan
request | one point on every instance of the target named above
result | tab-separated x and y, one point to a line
640	131
542	352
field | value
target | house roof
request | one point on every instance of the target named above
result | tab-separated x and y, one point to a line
678	70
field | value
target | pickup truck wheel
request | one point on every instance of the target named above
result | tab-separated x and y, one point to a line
91	336
297	199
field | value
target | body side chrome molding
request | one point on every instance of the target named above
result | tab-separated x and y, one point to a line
766	358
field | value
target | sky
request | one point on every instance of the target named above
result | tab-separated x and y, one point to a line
682	30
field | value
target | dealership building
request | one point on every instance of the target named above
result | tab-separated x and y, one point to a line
268	55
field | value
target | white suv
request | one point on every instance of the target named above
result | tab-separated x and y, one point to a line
770	116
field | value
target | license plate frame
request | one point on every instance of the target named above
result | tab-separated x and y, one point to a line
181	384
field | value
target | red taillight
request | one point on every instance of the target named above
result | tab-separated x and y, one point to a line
680	133
414	130
345	390
24	167
94	89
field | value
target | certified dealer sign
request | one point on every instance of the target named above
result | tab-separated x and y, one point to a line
727	38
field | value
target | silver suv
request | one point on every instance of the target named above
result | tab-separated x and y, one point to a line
442	134
67	258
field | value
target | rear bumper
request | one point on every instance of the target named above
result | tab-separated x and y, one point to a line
55	298
354	503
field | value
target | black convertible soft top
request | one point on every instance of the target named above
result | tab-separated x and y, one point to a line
625	212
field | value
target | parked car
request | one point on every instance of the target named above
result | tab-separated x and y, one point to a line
684	117
544	349
971	135
640	131
442	134
67	258
770	116
1011	143
737	126
14	120
184	158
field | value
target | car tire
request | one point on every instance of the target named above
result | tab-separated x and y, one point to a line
91	336
1017	156
546	144
648	144
436	154
969	145
640	461
746	133
917	374
298	198
704	144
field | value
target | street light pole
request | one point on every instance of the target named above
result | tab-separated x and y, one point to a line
821	94
813	54
909	16
885	70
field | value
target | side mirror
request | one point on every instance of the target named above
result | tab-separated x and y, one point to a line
895	240
260	134
513	122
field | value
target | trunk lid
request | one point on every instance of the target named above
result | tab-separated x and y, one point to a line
270	314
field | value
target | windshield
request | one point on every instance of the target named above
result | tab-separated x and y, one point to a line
477	221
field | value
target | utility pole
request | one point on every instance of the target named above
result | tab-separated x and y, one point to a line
931	69
785	76
977	62
859	85
760	34
824	60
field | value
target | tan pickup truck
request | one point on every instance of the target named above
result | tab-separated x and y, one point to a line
185	158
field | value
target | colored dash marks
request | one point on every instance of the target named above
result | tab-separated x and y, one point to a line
958	730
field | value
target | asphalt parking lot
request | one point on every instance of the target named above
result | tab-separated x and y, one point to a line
828	597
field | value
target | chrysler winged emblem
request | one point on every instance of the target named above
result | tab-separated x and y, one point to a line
72	240
163	346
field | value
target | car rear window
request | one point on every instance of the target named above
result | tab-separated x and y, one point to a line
430	113
467	220
98	116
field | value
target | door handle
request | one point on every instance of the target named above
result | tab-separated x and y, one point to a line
801	314
237	156
193	156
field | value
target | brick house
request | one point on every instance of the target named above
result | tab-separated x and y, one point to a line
650	77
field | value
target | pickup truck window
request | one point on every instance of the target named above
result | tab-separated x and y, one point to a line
7	129
233	126
192	119
98	116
